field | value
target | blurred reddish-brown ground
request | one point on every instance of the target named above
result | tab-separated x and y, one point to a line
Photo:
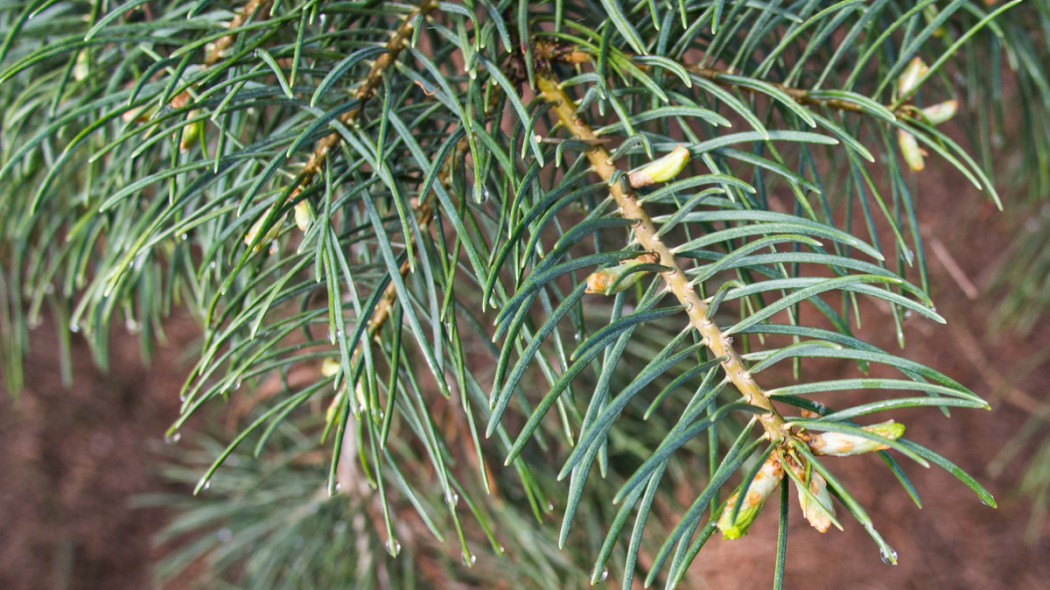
73	459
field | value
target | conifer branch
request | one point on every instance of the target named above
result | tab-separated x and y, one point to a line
424	215
99	181
219	47
365	91
677	282
800	95
216	49
552	51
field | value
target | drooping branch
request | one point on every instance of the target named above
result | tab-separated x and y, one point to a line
365	91
216	49
424	215
424	212
677	282
552	51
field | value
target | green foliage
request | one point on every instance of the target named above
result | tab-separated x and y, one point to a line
426	316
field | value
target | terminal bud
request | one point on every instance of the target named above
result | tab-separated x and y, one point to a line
765	481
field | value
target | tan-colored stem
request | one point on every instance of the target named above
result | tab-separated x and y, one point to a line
800	95
424	215
365	91
552	51
675	278
216	49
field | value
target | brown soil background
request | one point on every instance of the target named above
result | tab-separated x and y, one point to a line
73	459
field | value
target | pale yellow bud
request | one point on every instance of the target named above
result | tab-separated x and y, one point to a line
913	154
81	68
765	481
139	114
329	367
661	169
271	234
915	69
940	112
838	444
329	414
191	131
304	216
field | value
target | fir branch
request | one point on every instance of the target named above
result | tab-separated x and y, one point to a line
372	222
551	51
398	40
424	215
675	278
800	95
216	49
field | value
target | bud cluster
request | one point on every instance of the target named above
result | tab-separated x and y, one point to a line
813	495
936	114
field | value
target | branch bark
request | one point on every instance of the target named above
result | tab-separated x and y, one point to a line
216	49
677	282
555	52
365	91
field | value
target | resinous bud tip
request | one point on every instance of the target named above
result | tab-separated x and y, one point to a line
816	505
